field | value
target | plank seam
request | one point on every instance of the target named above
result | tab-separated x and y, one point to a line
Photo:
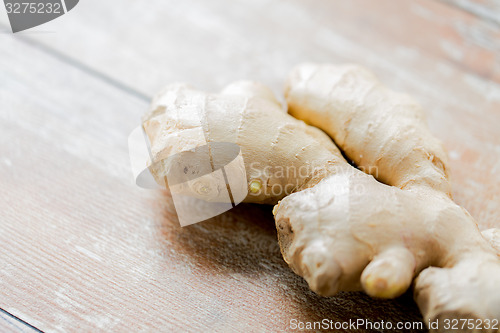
20	320
81	66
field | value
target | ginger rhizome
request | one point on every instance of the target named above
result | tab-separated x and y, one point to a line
384	132
338	227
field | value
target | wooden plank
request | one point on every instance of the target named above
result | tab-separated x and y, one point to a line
10	324
197	41
488	10
83	249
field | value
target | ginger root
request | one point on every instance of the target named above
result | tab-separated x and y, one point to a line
338	227
384	133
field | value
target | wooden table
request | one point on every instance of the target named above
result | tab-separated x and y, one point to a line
83	249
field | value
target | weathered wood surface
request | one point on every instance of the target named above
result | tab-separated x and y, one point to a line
83	249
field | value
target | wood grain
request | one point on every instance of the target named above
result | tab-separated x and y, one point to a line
84	249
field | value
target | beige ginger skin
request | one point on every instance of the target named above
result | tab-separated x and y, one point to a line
340	228
384	132
245	113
